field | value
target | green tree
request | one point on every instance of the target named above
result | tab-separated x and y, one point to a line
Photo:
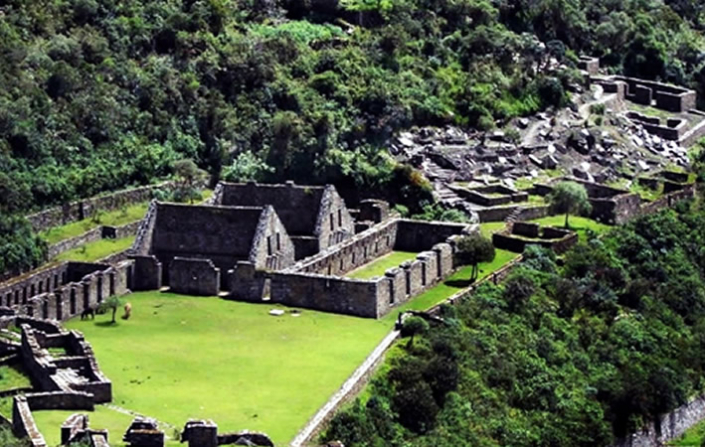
472	250
569	198
112	303
413	326
247	167
189	176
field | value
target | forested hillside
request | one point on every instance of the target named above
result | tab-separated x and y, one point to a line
96	95
570	355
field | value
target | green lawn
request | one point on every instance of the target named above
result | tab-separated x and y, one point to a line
94	251
453	284
487	228
113	218
381	265
579	224
11	377
184	357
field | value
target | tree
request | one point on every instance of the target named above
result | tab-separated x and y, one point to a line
413	326
473	250
570	198
111	303
247	167
189	175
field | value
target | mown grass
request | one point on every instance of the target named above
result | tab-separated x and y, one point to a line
94	251
579	224
453	284
381	265
181	357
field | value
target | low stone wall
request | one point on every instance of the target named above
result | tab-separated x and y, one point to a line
673	130
23	425
60	400
492	195
83	209
500	214
556	239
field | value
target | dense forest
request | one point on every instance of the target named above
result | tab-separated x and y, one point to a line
571	353
97	95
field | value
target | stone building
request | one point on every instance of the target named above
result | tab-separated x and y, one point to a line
191	248
314	216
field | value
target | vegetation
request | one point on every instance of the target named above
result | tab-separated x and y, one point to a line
112	303
156	361
574	355
114	218
472	250
189	176
381	265
95	251
569	198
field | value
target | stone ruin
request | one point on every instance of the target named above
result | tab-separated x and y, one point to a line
144	432
291	245
518	235
204	433
76	431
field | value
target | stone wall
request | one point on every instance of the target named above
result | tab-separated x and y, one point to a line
491	195
147	273
272	249
83	209
668	427
334	224
500	214
668	97
194	277
353	253
673	130
245	283
365	298
522	234
416	236
74	242
325	293
78	285
23	425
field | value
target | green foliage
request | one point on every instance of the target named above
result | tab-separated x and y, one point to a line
569	198
472	250
413	326
576	355
112	303
189	177
21	249
247	167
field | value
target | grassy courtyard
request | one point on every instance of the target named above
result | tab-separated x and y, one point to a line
184	357
381	265
94	251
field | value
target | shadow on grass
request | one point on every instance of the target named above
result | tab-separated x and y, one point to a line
459	283
107	324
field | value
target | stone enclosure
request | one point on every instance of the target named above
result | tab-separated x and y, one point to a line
518	235
245	244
